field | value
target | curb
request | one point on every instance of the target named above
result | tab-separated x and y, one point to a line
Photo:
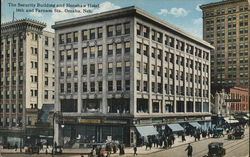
162	149
146	153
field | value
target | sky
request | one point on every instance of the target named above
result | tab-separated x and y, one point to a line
184	14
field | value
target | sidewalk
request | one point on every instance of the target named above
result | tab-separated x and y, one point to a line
129	150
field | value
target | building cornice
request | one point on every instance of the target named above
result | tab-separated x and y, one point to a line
22	25
224	2
131	11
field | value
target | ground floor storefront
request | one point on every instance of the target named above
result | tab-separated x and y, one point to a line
79	132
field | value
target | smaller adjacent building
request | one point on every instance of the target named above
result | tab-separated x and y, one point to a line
241	97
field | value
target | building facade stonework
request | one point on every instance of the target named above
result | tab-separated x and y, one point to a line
226	26
125	68
27	76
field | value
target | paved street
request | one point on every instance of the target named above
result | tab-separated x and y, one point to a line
234	148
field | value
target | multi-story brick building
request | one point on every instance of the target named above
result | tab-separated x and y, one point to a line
241	94
27	76
226	26
124	69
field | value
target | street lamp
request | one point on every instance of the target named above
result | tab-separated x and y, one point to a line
58	114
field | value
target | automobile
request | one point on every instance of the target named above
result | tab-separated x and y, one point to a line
237	133
215	149
218	132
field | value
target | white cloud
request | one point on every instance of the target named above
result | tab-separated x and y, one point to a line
177	12
58	16
198	7
197	21
106	6
36	14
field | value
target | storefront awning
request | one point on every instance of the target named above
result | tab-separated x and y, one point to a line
175	127
230	121
246	118
195	124
146	130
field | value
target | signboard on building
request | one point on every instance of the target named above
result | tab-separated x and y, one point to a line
89	120
232	100
115	121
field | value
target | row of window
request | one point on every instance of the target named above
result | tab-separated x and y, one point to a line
13	66
95	33
93	69
11	122
144	31
225	11
14	94
11	80
229	18
13	53
95	86
94	51
11	108
34	93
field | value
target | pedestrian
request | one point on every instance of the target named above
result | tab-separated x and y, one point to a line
189	150
183	137
135	150
16	146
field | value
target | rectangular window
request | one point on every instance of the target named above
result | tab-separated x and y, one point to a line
69	37
92	69
145	86
92	34
118	85
84	69
110	85
100	86
110	49
75	36
127	47
75	54
84	87
119	67
100	49
138	47
127	84
46	94
127	28
110	31
69	54
110	67
100	67
84	52
138	85
100	32
145	31
46	81
92	52
145	50
118	48
68	87
62	87
92	86
127	67
118	29
46	41
75	87
84	35
61	38
46	69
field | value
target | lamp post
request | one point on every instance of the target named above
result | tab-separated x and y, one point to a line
58	114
